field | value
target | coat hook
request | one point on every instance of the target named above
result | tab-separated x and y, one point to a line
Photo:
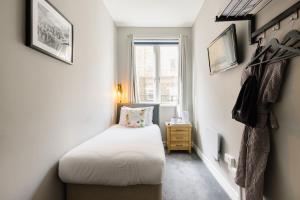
259	42
262	36
276	27
294	16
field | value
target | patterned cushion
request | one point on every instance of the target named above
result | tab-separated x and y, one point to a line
134	118
148	114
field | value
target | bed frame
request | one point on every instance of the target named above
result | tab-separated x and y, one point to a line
133	192
100	192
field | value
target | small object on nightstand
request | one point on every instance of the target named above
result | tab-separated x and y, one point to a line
179	136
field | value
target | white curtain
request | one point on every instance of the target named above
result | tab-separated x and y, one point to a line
182	76
132	89
183	90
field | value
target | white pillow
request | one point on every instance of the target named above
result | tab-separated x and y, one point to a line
123	112
149	115
134	116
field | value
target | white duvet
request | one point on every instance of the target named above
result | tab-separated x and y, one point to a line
118	157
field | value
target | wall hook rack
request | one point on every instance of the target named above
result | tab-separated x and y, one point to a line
239	10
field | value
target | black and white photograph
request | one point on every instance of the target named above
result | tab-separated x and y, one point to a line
51	33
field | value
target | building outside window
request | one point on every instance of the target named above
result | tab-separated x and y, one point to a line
156	65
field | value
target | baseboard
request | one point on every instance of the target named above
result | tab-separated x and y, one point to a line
232	193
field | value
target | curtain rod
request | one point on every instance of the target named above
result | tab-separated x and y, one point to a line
149	37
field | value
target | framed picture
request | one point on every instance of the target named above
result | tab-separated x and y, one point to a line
222	52
48	31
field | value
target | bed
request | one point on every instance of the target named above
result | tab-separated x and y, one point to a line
120	163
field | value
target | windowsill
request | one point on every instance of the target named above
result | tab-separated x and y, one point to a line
161	104
168	105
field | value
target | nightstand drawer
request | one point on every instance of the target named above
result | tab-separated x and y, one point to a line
184	137
179	129
179	145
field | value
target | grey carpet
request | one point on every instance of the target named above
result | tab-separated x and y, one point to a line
187	178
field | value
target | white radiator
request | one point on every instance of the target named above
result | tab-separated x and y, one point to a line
214	143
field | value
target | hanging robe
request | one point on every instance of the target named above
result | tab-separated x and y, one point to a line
255	144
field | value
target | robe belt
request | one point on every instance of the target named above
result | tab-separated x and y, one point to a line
266	117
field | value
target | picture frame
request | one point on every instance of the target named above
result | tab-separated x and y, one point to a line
223	51
49	31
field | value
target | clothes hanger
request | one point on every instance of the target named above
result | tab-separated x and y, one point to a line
273	44
275	60
291	39
288	49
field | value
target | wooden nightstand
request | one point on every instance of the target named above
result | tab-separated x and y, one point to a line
179	137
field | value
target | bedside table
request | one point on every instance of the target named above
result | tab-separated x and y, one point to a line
179	137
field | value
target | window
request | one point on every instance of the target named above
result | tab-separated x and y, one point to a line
156	65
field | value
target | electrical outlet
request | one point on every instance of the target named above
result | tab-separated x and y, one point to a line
230	160
231	163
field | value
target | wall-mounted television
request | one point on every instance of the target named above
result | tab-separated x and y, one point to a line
222	52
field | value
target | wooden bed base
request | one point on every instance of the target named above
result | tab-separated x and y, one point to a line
99	192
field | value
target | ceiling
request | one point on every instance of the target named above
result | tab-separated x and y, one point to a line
154	13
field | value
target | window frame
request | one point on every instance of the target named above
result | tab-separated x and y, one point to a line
156	49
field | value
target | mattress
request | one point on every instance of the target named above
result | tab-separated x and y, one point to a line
119	156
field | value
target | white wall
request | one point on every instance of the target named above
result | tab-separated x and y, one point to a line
214	97
123	68
46	106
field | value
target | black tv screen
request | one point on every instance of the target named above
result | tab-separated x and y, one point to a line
222	52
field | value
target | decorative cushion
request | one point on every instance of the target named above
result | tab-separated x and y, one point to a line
136	117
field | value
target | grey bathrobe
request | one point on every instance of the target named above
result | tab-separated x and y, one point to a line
255	144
